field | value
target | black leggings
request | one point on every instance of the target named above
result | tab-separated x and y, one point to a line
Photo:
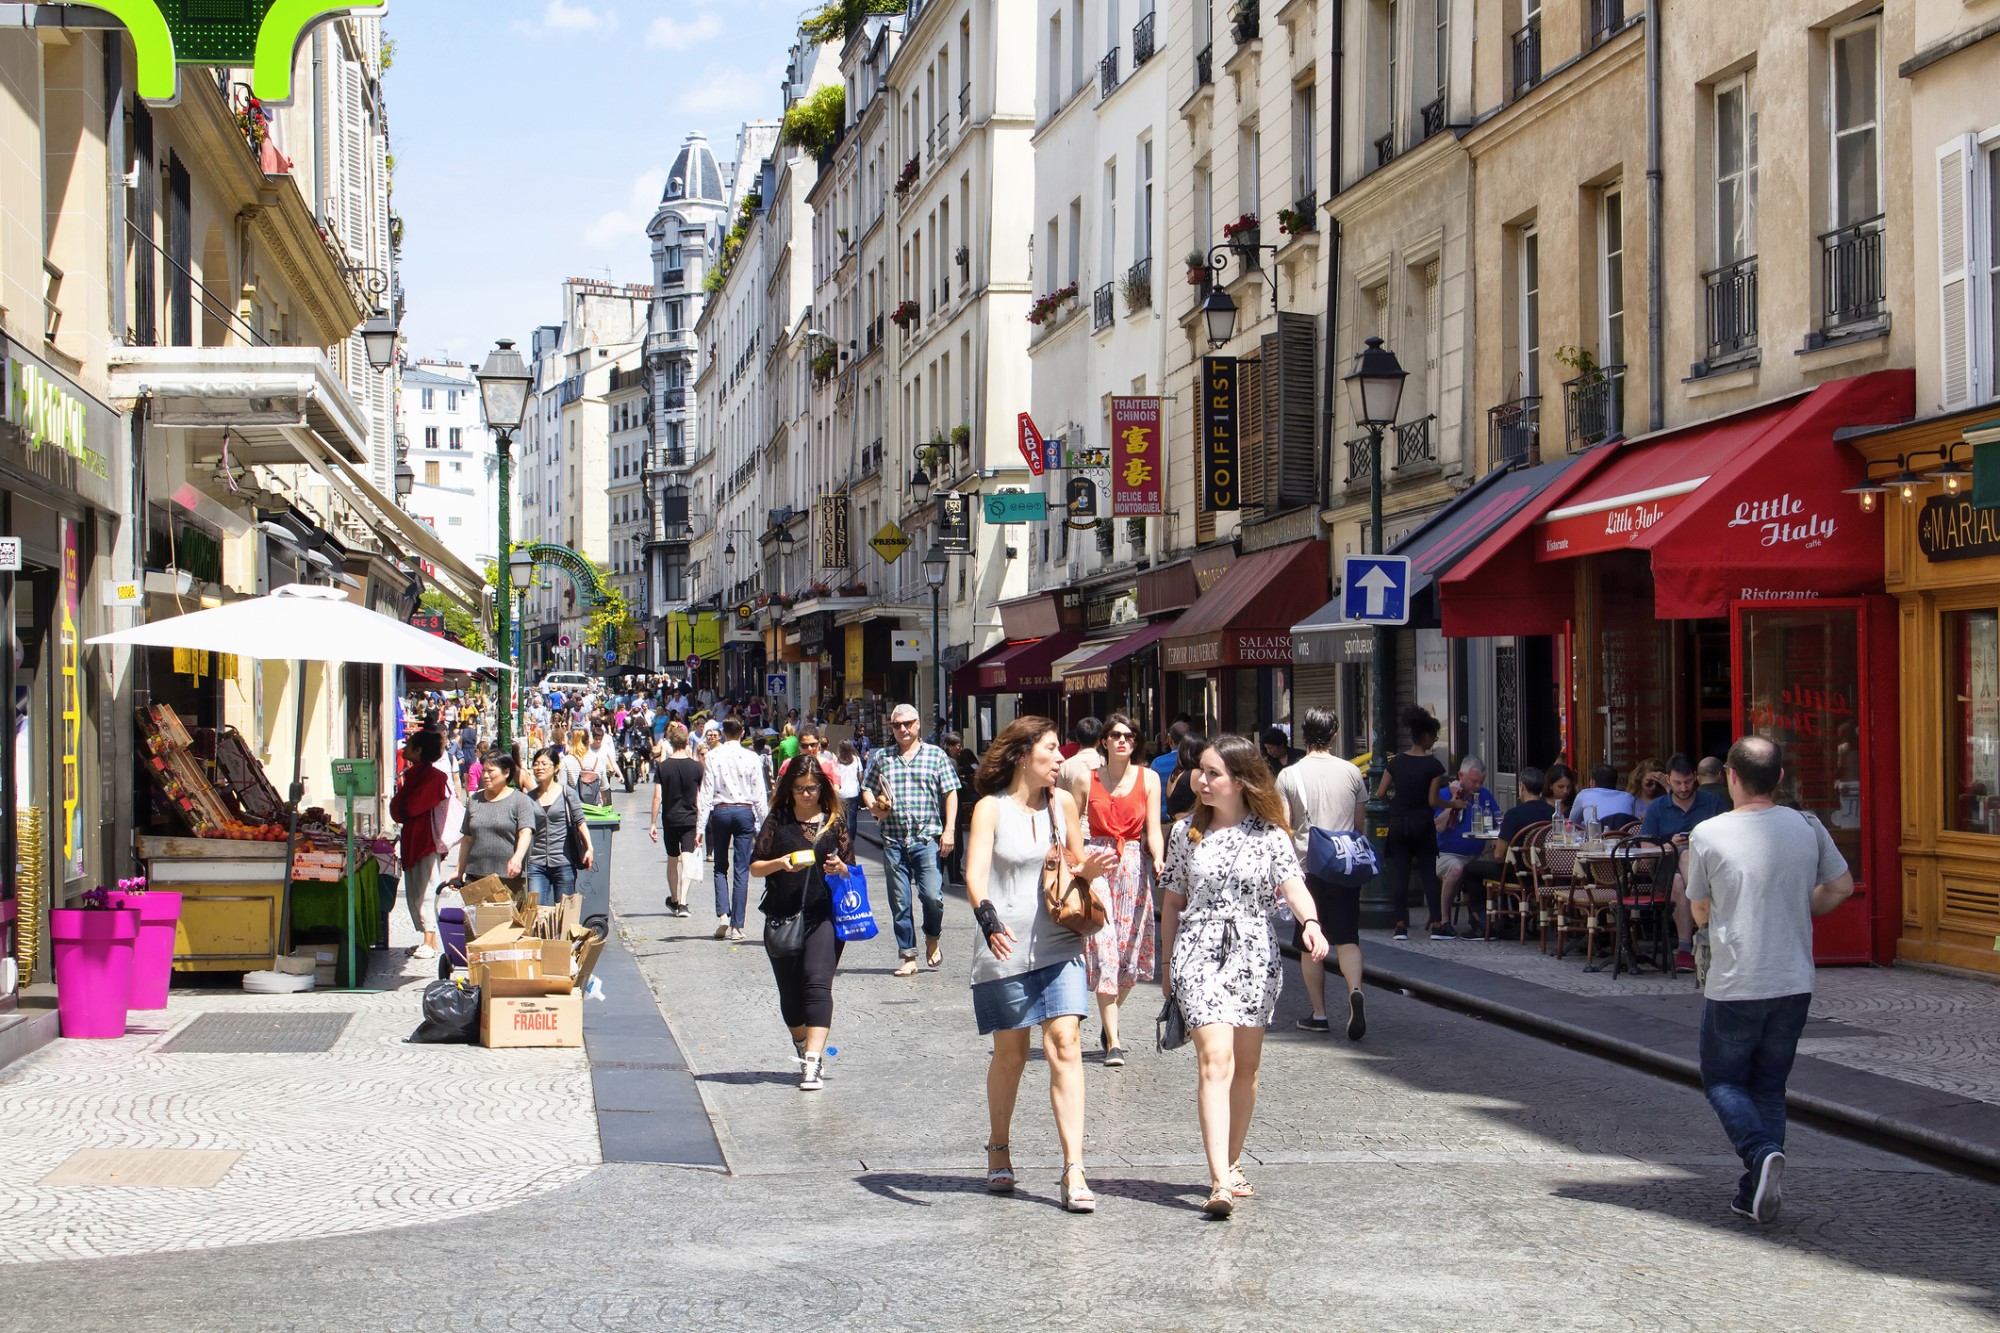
1413	847
805	983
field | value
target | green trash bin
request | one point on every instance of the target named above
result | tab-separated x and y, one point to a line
595	883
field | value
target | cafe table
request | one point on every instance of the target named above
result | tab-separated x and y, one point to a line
1610	867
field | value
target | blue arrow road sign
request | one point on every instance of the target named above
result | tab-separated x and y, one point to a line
1375	589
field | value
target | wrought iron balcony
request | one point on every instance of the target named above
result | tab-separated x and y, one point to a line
1102	310
1594	406
1851	275
1514	432
1606	18
1433	117
1107	74
676	399
1360	460
1732	309
1527	51
965	103
1204	67
1416	444
1139	284
1385	149
1142	40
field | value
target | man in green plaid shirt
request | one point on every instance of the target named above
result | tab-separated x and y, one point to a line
912	790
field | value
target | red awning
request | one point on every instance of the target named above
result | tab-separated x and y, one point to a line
965	680
1748	508
1026	666
1094	673
1246	619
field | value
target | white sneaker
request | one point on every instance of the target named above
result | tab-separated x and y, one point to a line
424	951
722	927
809	1074
735	935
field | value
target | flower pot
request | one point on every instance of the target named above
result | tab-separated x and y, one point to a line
153	952
93	959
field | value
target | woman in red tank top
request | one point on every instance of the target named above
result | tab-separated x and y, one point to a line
1121	804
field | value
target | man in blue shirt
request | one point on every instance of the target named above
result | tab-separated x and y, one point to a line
1166	761
1462	808
1671	820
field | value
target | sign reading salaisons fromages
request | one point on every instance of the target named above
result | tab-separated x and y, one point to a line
262	35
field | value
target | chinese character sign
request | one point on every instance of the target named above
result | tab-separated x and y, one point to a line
1138	483
1218	434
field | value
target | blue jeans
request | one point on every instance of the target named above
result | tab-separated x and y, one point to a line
731	830
1747	1049
914	861
552	882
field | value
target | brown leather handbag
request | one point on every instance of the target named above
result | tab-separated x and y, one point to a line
1071	902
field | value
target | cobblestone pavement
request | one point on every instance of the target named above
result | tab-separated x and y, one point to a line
1930	1028
1443	1174
372	1134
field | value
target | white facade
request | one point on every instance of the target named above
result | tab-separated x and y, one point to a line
451	452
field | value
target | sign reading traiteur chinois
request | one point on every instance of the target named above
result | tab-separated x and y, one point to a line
1138	487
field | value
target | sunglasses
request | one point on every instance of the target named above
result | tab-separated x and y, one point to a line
904	726
1125	736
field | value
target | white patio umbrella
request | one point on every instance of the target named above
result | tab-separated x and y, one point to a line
304	624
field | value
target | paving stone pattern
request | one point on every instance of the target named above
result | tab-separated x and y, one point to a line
1444	1174
1921	1026
370	1134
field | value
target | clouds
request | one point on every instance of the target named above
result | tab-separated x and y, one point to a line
730	92
617	228
575	19
667	34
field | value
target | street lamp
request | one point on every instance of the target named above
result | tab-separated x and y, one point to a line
936	566
521	572
920	484
379	335
1375	389
1219	313
503	393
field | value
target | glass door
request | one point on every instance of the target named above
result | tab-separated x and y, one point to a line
1800	682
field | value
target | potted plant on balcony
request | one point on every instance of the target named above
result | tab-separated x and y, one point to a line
1138	294
825	362
1243	236
92	946
1243	25
907	179
1295	221
904	315
1046	308
817	589
961	436
854	590
1197	268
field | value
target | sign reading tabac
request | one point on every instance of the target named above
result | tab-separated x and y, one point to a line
1218	434
263	36
1137	489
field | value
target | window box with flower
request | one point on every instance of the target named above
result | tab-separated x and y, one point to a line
1046	308
908	179
1296	221
905	315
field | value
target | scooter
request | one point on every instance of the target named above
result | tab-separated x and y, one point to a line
632	757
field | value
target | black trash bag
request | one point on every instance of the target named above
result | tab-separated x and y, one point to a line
451	1014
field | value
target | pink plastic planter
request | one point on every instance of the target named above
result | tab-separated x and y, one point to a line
93	957
153	953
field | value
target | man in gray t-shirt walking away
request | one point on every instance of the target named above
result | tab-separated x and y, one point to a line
1756	877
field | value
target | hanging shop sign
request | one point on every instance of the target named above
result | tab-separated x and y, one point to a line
955	523
856	656
890	543
1951	527
1218	434
263	36
833	532
1033	448
60	433
1017	507
906	645
1137	483
1080	499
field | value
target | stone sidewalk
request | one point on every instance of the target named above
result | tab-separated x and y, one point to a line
370	1135
1913	1053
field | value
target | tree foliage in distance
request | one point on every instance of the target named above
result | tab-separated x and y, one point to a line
838	20
813	121
460	623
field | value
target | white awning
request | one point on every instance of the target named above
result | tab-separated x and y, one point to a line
253	392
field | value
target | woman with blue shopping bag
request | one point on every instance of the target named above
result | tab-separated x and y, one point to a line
800	853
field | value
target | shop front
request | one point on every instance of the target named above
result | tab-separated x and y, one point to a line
1110	616
1713	582
1943	568
1017	677
61	825
1229	659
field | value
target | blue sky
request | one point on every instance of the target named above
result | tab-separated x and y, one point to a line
532	145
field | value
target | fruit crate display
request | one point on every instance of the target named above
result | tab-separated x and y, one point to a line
183	777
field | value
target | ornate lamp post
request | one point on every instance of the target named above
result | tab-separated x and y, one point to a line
1375	388
936	566
503	393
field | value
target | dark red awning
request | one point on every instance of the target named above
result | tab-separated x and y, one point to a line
1246	619
1094	673
1026	666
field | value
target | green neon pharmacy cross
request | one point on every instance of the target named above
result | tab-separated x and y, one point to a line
262	34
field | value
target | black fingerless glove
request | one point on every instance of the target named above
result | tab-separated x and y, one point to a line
988	917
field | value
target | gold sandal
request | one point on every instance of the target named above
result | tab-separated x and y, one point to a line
1221	1203
907	968
1239	1184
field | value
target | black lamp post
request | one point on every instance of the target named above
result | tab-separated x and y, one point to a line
937	565
1375	388
503	393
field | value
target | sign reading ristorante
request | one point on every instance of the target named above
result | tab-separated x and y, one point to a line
1951	527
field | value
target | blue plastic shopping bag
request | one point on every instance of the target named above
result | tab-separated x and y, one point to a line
853	916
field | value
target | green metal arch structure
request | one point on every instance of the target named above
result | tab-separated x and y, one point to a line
262	34
582	574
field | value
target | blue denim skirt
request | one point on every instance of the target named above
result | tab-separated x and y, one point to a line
1030	999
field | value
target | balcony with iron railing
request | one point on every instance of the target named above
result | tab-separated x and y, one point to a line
1139	284
1416	444
676	400
1204	67
1514	432
1102	307
1107	74
1851	278
1142	40
1360	462
1606	18
965	104
1730	302
1594	406
1526	44
944	134
1385	149
1433	116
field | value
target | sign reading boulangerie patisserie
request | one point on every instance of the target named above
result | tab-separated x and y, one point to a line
1951	527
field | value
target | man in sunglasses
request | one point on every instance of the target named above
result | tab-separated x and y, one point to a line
911	788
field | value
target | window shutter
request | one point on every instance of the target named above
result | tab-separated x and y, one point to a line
1250	431
1289	429
1957	193
1204	517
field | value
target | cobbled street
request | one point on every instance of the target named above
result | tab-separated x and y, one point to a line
1442	1174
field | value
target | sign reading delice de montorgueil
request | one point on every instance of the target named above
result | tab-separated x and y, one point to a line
1218	433
1951	527
263	36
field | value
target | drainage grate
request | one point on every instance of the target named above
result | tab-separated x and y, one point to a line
258	1034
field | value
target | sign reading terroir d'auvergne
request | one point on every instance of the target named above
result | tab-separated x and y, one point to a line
263	35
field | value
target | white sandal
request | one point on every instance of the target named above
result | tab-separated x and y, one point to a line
1000	1181
1078	1198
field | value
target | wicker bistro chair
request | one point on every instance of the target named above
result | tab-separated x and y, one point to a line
1645	875
1553	872
1511	893
1591	905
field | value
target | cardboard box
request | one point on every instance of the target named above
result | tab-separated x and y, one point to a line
510	986
554	1020
506	954
480	919
491	889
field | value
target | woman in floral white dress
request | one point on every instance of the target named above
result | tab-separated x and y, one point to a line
1227	863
